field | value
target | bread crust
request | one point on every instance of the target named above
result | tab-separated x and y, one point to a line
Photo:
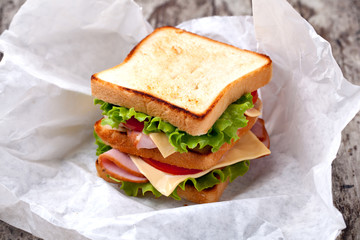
192	160
187	120
207	195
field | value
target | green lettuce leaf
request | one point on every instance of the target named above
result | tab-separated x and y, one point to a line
102	147
223	130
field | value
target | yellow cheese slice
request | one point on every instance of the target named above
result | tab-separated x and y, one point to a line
162	143
248	147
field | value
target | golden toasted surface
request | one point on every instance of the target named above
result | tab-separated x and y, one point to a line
185	79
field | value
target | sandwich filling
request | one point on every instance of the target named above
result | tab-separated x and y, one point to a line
223	131
149	175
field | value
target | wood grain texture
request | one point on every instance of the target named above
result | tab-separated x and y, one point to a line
337	21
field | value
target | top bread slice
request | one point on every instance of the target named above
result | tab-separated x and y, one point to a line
183	78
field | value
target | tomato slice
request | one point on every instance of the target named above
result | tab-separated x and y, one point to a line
170	168
134	124
255	96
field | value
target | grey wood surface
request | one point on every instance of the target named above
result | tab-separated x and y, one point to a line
337	21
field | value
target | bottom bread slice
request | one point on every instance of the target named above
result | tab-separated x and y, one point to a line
207	195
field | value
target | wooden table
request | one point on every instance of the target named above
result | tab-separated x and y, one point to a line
336	21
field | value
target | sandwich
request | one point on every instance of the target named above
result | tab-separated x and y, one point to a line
181	116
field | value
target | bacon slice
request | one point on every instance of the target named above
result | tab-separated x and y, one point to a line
120	166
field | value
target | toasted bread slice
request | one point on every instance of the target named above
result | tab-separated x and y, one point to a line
193	160
207	195
183	78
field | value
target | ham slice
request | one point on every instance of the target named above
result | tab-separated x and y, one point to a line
120	166
141	140
260	132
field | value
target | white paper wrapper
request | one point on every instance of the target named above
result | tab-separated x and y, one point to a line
48	182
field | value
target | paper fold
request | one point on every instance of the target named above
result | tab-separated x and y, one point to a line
48	181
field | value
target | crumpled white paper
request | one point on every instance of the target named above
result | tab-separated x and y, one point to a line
48	182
